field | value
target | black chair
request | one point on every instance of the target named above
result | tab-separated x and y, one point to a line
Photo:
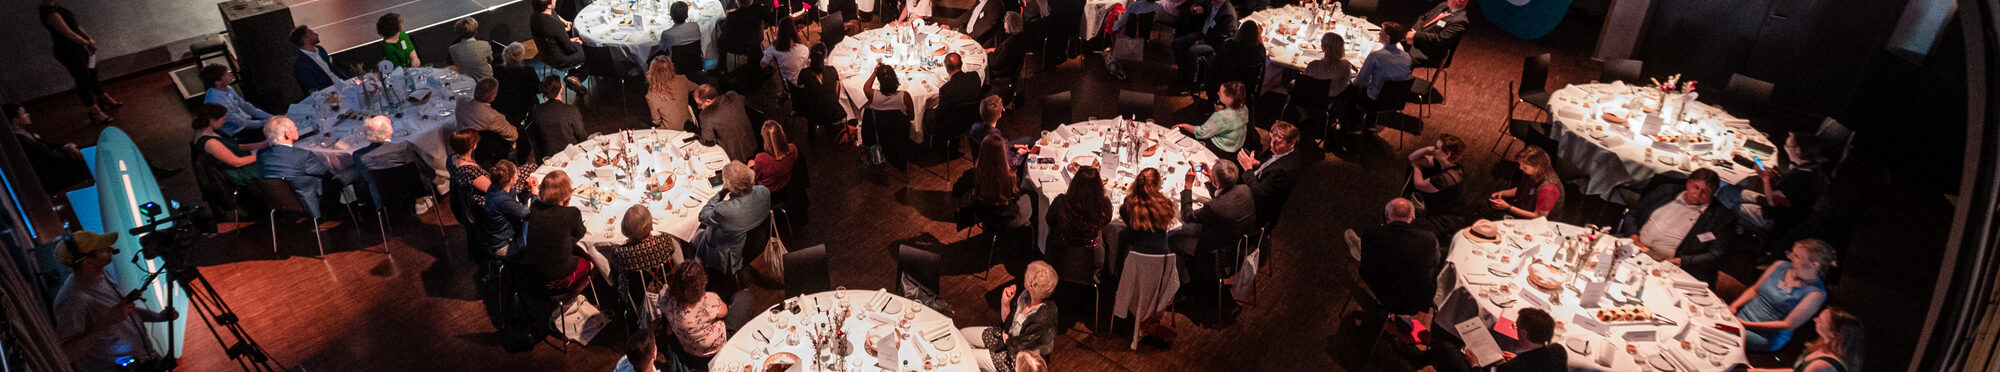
280	196
1057	110
1361	8
806	272
1834	141
1395	94
1748	95
492	147
687	58
1626	70
215	190
920	265
1532	89
399	187
1428	91
943	135
1140	26
1135	104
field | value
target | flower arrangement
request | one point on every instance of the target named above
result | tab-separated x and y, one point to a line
1674	84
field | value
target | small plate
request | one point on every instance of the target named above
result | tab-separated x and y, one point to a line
1579	346
1714	348
945	344
1659	363
894	306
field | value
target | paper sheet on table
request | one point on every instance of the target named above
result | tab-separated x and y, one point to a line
1478	341
888	339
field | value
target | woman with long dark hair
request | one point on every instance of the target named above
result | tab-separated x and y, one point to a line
237	163
1076	223
996	188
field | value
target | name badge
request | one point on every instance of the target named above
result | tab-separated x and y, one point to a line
1706	237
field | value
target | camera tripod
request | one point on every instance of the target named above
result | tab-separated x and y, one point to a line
172	244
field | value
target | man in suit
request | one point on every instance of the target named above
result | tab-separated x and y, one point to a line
314	69
383	155
1400	261
728	218
1437	32
478	113
1275	172
557	124
982	22
59	165
961	86
307	172
1228	214
683	32
723	121
473	57
1683	225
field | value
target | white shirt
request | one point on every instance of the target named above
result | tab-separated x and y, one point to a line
1668	226
978	9
314	56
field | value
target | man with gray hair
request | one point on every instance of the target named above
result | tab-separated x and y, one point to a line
1400	261
307	172
383	155
728	218
1228	214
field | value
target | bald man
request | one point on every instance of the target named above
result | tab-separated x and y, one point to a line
1399	262
384	153
307	172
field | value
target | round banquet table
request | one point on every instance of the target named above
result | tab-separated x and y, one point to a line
1478	285
1291	40
654	156
632	28
1086	142
1618	154
919	65
330	121
771	332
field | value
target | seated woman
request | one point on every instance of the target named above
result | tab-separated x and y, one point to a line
518	84
1788	294
397	48
558	226
819	89
774	165
1535	193
887	121
1242	55
236	162
1148	213
1228	127
1839	348
1435	174
644	261
506	210
667	93
694	315
995	201
1027	322
1076	223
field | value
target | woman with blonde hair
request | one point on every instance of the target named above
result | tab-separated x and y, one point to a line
1148	213
774	165
1027	324
557	228
1788	294
1535	193
667	94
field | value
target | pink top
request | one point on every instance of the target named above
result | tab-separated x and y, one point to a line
699	327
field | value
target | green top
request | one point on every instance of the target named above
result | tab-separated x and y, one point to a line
1225	129
398	53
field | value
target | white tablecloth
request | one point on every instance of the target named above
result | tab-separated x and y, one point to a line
660	155
1616	154
1291	41
331	123
1471	290
935	334
1176	155
919	65
603	23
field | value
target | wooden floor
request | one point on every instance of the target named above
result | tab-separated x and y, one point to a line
411	304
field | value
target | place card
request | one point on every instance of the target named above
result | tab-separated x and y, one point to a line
1478	341
1590	323
1591	295
1535	299
1641	336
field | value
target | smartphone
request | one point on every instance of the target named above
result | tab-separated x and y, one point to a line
1759	161
715	181
1201	168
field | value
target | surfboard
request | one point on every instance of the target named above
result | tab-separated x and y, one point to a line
124	182
1526	19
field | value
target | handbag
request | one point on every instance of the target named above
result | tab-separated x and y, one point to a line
1246	277
580	321
771	264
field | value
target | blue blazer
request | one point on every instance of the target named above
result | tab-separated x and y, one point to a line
307	72
305	170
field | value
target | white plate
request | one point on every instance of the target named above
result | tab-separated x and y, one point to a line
1659	363
1579	346
894	306
1668	160
1714	348
945	344
1703	301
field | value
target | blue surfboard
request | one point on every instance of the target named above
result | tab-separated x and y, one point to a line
124	182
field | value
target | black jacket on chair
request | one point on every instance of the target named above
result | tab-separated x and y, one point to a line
1700	259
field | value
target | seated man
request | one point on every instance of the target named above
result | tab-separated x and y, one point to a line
382	154
683	32
314	69
1221	221
59	165
724	122
1274	172
307	172
1681	225
473	57
1382	66
982	21
1437	32
94	322
557	124
728	218
222	91
478	113
1400	261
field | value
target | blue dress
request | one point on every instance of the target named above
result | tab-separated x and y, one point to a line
1773	303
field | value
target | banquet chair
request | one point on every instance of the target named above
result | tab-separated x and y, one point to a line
1748	95
1227	267
1625	70
806	272
1393	97
921	267
528	300
399	187
686	57
1146	289
1430	90
1135	104
1057	110
1532	89
492	147
1835	140
1361	8
280	196
1354	251
1084	273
